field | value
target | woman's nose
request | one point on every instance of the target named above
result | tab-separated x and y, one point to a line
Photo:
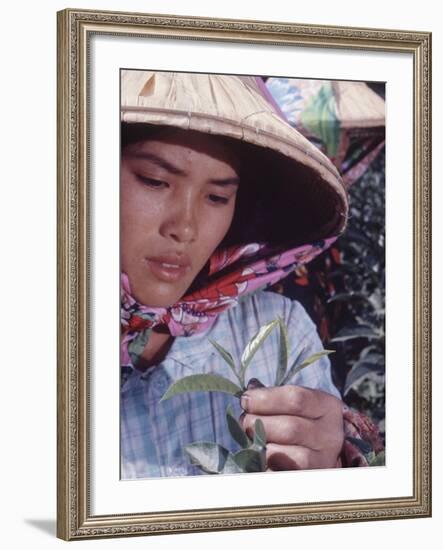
181	222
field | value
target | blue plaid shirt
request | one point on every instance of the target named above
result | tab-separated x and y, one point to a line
153	434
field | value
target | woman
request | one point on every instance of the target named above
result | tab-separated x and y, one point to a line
220	198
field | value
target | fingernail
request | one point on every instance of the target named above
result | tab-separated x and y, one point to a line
244	401
254	383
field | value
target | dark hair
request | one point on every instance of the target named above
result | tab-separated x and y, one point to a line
134	132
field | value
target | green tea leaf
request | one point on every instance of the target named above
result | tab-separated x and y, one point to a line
236	430
227	357
250	460
202	382
315	357
259	433
378	460
346	296
284	352
294	364
253	346
369	349
311	359
353	333
231	467
208	456
372	358
361	370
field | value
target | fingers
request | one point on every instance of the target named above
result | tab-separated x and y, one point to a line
285	430
304	427
290	400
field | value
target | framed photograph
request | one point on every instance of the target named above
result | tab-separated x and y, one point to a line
244	316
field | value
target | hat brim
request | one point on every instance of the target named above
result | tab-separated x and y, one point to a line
302	176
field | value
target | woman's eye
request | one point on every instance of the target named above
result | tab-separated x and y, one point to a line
157	184
218	200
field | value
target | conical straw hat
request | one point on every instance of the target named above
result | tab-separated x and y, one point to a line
235	107
358	106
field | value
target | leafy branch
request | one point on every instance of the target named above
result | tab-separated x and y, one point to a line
211	457
358	310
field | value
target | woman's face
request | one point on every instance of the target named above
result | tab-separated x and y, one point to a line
177	202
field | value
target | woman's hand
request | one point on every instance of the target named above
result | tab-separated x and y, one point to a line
304	427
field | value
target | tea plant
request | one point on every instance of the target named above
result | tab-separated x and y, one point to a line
361	302
216	459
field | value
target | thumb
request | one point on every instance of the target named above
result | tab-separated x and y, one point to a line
254	383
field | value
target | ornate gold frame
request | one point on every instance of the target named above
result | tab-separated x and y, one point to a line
74	520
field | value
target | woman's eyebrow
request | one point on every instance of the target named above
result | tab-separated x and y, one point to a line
172	169
143	155
225	181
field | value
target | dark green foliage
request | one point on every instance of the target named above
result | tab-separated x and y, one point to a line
359	339
212	458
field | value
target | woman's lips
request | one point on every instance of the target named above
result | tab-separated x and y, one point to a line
168	269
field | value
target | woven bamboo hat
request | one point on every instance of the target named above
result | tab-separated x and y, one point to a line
295	177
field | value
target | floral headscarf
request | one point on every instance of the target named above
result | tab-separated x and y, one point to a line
233	272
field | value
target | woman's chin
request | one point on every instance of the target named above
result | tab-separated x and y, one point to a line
149	290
